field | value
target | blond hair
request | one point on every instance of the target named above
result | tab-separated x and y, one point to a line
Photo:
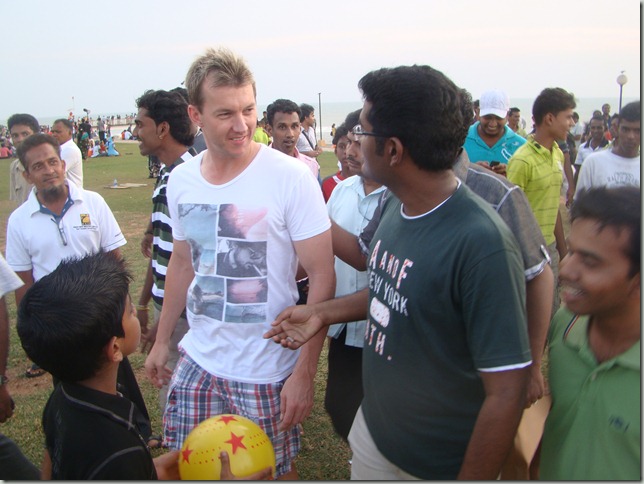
222	68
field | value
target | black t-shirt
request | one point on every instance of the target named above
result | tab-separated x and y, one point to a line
94	435
85	127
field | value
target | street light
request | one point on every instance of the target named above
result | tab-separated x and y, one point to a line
320	114
621	80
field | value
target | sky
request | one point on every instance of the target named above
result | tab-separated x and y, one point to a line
103	55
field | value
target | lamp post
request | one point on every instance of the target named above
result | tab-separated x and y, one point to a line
320	113
621	80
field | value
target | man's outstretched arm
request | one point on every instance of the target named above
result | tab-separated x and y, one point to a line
298	324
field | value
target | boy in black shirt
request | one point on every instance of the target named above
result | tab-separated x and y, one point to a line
78	323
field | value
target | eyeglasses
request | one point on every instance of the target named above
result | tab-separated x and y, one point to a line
359	133
61	230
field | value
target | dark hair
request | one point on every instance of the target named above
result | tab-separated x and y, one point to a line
181	90
340	131
513	110
617	207
33	141
467	111
282	106
66	318
352	119
631	112
67	123
172	108
597	118
24	119
552	100
420	106
305	109
575	115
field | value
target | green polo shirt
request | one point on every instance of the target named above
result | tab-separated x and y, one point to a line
539	173
593	429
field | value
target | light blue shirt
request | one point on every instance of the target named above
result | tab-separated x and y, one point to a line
502	151
352	210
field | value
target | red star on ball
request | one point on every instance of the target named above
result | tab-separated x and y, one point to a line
227	418
185	454
236	442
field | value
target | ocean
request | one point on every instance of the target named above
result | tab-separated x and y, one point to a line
335	112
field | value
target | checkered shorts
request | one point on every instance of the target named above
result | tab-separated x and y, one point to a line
195	395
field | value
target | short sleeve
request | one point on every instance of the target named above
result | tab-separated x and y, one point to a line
516	212
111	235
18	256
9	281
306	212
518	172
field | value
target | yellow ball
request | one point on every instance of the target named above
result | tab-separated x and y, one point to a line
249	448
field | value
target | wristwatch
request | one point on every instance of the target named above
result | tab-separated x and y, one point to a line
3	379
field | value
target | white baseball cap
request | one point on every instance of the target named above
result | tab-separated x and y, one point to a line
494	102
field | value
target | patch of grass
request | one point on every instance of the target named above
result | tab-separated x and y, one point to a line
324	455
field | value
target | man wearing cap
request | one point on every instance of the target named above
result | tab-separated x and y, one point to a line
490	140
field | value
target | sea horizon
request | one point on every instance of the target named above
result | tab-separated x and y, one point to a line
335	112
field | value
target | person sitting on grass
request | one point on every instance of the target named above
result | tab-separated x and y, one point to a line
111	150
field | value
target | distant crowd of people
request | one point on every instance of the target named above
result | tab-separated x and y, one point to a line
433	261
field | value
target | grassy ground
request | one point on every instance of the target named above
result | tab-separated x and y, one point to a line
324	456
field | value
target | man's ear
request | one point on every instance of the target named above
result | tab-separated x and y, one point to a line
394	149
195	115
25	175
163	129
113	350
636	285
269	129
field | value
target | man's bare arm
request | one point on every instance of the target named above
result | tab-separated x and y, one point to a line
142	309
28	279
298	324
539	294
495	425
316	257
179	276
347	248
560	238
6	410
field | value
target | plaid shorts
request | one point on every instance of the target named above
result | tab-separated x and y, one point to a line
195	395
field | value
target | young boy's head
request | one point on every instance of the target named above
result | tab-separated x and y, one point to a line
552	112
601	273
78	319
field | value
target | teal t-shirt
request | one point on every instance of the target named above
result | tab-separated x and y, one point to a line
593	430
447	299
502	151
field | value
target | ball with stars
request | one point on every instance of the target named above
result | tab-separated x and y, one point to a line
249	448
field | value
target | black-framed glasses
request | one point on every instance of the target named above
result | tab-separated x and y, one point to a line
358	132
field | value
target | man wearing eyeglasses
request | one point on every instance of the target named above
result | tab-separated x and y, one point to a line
446	347
351	206
58	220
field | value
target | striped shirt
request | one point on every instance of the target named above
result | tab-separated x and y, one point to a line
162	230
539	173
